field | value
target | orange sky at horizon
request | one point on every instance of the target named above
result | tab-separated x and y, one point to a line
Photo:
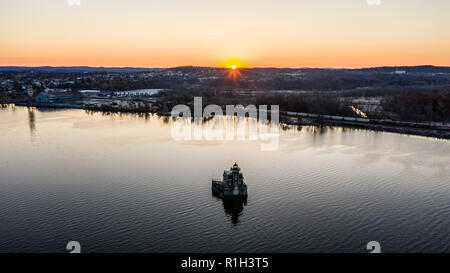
246	33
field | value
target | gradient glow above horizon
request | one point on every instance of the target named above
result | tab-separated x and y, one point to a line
262	33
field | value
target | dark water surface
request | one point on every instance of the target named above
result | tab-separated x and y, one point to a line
121	184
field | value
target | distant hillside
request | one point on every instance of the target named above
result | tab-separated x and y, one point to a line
408	69
77	69
384	69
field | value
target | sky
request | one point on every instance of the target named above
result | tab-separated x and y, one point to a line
249	33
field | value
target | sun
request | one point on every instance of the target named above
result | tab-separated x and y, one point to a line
233	72
233	64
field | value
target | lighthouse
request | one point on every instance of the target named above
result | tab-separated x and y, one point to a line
232	184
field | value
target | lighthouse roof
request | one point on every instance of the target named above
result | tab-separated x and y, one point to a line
235	167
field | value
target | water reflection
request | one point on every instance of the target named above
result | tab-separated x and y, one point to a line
166	119
6	105
234	208
237	122
32	123
318	130
145	116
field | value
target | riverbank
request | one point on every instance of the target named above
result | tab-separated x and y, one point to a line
442	134
286	118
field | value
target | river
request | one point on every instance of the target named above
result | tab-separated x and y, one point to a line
121	183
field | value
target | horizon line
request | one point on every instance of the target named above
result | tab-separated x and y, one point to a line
219	67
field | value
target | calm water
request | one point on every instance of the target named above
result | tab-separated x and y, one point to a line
121	184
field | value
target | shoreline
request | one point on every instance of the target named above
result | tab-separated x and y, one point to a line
284	119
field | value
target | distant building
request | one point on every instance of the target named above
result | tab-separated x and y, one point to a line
42	98
140	92
106	93
399	72
90	91
30	90
58	98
